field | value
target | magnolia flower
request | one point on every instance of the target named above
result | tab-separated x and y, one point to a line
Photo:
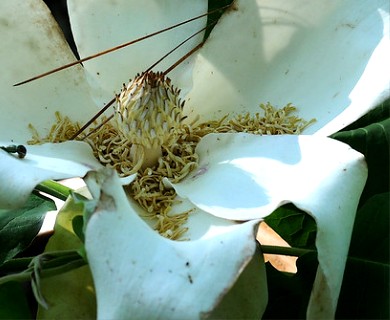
305	52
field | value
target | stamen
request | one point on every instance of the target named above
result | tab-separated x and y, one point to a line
96	128
147	136
85	126
176	160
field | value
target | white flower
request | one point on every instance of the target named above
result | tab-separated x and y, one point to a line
328	58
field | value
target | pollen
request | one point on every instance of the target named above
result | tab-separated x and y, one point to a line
148	136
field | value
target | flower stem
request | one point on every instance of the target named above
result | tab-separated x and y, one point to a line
285	251
50	264
54	189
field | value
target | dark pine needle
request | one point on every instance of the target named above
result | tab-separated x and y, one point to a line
114	48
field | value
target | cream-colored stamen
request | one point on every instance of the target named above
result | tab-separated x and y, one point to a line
166	147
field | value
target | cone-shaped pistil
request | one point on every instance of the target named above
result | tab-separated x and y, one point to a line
149	114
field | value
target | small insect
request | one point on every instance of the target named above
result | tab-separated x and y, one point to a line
19	149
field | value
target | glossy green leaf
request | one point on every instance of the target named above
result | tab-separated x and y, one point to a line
291	291
365	289
19	227
373	220
217	7
294	226
370	135
13	302
379	114
78	225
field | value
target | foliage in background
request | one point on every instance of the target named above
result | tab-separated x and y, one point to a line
365	290
19	227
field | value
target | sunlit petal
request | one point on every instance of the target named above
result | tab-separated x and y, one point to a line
100	25
243	176
328	58
169	279
200	224
31	43
42	162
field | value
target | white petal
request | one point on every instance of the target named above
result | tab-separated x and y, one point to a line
200	224
243	176
329	58
42	162
100	25
31	44
136	272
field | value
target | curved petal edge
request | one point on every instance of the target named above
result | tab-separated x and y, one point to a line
244	176
138	272
42	162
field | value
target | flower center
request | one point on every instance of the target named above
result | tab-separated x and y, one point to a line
149	137
149	114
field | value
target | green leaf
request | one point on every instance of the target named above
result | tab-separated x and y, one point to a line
293	225
291	291
19	227
13	302
78	227
370	135
365	289
379	114
81	221
76	286
373	220
214	17
55	189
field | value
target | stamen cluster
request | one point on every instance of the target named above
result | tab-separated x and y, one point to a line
149	118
